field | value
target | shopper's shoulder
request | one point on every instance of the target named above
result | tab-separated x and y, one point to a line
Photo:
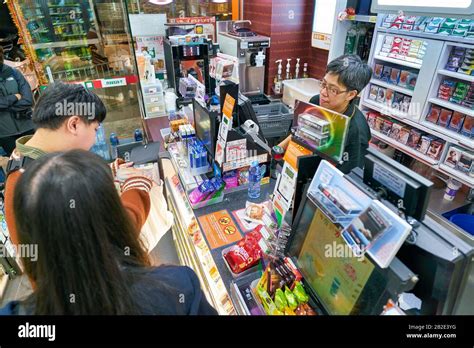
176	274
10	308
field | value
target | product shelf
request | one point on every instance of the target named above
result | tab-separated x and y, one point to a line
392	87
456	75
452	106
398	61
449	136
404	148
453	39
456	174
384	109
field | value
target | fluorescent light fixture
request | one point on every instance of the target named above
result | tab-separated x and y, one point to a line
160	2
427	3
219	1
324	13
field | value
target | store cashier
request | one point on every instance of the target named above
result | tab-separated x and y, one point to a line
345	77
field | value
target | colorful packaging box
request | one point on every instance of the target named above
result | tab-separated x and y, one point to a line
435	149
414	138
445	117
457	121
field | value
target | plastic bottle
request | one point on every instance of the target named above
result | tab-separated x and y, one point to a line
114	142
288	67
254	180
297	70
351	37
305	71
278	78
138	135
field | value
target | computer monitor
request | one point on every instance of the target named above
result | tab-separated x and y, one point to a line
205	123
339	282
405	189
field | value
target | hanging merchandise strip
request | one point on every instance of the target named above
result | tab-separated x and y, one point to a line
106	83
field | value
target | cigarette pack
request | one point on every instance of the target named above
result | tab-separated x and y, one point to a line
435	149
373	92
411	80
425	143
453	156
371	119
445	117
394	76
465	162
402	81
397	101
318	125
433	116
386	72
378	123
389	95
381	95
394	133
403	135
414	138
378	70
386	127
468	127
456	121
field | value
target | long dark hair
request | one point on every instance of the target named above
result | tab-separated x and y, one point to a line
67	204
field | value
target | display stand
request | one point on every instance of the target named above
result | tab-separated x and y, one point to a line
431	70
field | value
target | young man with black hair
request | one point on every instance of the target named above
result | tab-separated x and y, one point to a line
16	101
66	118
346	76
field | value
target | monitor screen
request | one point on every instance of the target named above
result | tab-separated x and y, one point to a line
342	283
204	127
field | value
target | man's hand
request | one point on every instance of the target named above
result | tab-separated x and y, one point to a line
18	96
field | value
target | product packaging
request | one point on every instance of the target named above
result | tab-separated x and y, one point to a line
435	149
456	121
445	117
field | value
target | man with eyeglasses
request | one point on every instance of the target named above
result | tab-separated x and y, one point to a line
345	77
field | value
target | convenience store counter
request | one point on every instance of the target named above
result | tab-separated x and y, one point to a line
191	243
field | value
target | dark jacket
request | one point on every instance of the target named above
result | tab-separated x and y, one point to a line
357	139
166	290
15	115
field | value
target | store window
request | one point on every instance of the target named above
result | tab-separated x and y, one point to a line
88	42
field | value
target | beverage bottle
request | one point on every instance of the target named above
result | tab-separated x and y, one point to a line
254	180
114	142
138	135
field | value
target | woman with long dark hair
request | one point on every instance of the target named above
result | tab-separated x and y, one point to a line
89	260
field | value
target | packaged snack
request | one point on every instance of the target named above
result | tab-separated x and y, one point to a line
403	135
243	176
300	293
373	92
456	121
435	149
465	162
290	297
445	117
386	127
268	304
280	300
394	133
468	127
378	69
425	143
231	179
452	157
200	193
254	211
414	138
433	116
246	253
381	95
394	76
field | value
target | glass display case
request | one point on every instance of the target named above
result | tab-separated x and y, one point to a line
87	42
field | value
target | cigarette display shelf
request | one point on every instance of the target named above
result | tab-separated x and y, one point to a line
391	86
431	73
404	148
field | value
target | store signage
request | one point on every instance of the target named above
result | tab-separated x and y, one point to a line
204	25
321	40
113	82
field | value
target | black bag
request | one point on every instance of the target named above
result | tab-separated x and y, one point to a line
24	115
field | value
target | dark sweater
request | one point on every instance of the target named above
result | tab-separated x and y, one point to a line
357	139
167	290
